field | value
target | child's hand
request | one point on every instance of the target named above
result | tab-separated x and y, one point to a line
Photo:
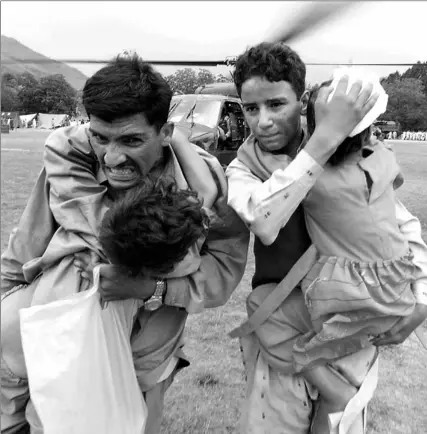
403	328
86	261
117	284
179	138
337	118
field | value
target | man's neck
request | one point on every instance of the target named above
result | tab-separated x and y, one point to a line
161	165
291	149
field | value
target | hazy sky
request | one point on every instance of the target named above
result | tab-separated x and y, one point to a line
383	32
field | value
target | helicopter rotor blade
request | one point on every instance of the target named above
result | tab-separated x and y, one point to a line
311	16
100	61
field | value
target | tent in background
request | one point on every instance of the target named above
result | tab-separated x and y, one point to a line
14	116
48	120
28	120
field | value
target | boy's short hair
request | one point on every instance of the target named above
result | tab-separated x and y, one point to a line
127	86
274	61
350	144
151	227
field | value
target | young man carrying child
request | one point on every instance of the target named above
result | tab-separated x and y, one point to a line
270	79
86	169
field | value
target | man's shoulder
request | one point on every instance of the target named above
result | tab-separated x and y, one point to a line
73	132
75	136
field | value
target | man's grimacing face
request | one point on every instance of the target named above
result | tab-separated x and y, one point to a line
272	111
128	148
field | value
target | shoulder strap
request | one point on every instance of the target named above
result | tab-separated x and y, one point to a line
278	295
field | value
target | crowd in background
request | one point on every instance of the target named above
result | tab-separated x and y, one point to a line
412	135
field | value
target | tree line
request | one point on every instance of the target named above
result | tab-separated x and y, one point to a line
407	98
187	80
407	93
26	94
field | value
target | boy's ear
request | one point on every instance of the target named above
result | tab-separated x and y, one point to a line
304	101
166	133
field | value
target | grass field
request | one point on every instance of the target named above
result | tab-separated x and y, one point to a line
205	398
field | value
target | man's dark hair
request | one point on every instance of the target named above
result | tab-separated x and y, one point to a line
125	87
349	145
273	61
152	226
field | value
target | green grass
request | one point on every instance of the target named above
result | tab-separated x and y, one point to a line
206	397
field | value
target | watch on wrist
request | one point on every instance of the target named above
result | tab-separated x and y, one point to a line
156	300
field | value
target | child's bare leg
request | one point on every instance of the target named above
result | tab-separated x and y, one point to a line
335	391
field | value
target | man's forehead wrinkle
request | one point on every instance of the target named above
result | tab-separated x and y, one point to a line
117	130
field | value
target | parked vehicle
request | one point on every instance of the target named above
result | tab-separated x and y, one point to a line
202	117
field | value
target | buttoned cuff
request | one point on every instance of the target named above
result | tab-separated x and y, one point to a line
306	169
308	163
175	292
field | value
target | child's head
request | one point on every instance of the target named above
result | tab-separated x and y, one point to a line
350	144
150	228
270	80
274	61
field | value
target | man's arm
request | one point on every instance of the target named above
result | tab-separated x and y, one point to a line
223	256
277	198
30	238
77	199
272	202
223	260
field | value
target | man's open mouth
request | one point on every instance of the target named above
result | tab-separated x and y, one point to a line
121	173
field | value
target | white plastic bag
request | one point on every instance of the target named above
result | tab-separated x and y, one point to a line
80	369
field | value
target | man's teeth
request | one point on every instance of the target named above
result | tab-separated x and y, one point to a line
121	171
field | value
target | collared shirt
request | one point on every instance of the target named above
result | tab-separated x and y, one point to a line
68	192
252	198
62	217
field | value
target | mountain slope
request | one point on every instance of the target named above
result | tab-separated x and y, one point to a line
12	50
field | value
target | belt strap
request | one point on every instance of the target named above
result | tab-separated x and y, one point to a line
278	295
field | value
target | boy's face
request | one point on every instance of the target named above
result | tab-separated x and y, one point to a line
272	111
128	148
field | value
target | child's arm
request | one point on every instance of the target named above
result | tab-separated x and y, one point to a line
196	171
77	199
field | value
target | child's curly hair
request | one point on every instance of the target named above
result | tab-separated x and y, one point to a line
349	145
151	227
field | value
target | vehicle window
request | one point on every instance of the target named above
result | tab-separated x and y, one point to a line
174	103
179	109
238	121
204	112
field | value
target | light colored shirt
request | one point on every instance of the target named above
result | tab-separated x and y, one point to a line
62	217
252	199
68	189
